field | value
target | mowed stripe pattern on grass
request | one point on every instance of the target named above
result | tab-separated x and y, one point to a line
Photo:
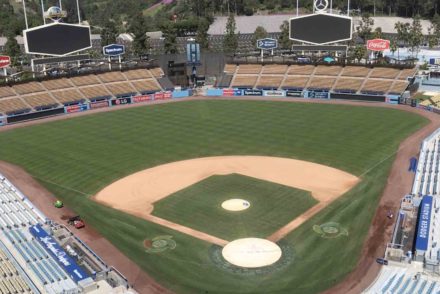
199	206
88	153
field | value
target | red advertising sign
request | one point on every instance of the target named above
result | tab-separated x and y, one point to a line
167	95
5	61
143	98
158	96
378	44
228	92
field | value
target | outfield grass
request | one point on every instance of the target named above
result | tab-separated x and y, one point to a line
87	153
199	206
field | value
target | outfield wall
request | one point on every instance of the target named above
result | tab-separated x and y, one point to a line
95	104
298	93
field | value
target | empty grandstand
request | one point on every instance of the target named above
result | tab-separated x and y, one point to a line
57	93
38	256
350	79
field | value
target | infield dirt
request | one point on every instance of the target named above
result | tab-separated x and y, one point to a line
137	193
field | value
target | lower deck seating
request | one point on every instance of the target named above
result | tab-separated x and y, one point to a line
270	81
383	72
69	95
27	88
376	86
355	71
11	105
398	87
113	76
40	100
301	69
6	91
295	82
321	83
249	68
85	80
247	81
149	85
346	84
137	74
56	84
230	68
328	70
94	91
157	72
269	69
120	88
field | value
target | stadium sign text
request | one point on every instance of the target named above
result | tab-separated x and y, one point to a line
5	61
267	44
378	44
113	50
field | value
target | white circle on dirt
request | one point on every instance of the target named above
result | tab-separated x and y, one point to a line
236	204
251	252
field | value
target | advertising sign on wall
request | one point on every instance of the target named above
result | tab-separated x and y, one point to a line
121	101
2	120
142	98
274	93
378	44
422	237
228	92
253	92
5	61
54	249
292	93
113	50
75	108
99	104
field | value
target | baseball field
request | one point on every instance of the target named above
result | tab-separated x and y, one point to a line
79	157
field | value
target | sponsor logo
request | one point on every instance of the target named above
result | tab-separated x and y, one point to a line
53	247
158	96
75	108
121	101
267	43
378	44
98	104
167	95
143	98
294	93
228	92
274	93
113	50
253	92
5	61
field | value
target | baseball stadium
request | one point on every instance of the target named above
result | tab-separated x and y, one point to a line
218	173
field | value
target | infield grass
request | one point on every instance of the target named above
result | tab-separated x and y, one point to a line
87	153
272	206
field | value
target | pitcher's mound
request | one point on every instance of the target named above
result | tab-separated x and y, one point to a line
235	204
251	252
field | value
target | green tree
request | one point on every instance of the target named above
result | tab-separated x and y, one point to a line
393	45
202	34
359	52
364	30
377	33
12	49
230	41
138	27
170	35
108	33
415	39
259	33
284	40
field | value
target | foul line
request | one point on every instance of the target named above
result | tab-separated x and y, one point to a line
61	186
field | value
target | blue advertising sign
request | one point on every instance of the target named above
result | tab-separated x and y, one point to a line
424	223
56	251
2	120
113	50
434	61
238	92
267	43
193	53
253	92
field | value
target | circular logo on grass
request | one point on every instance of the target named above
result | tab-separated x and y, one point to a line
330	230
159	244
